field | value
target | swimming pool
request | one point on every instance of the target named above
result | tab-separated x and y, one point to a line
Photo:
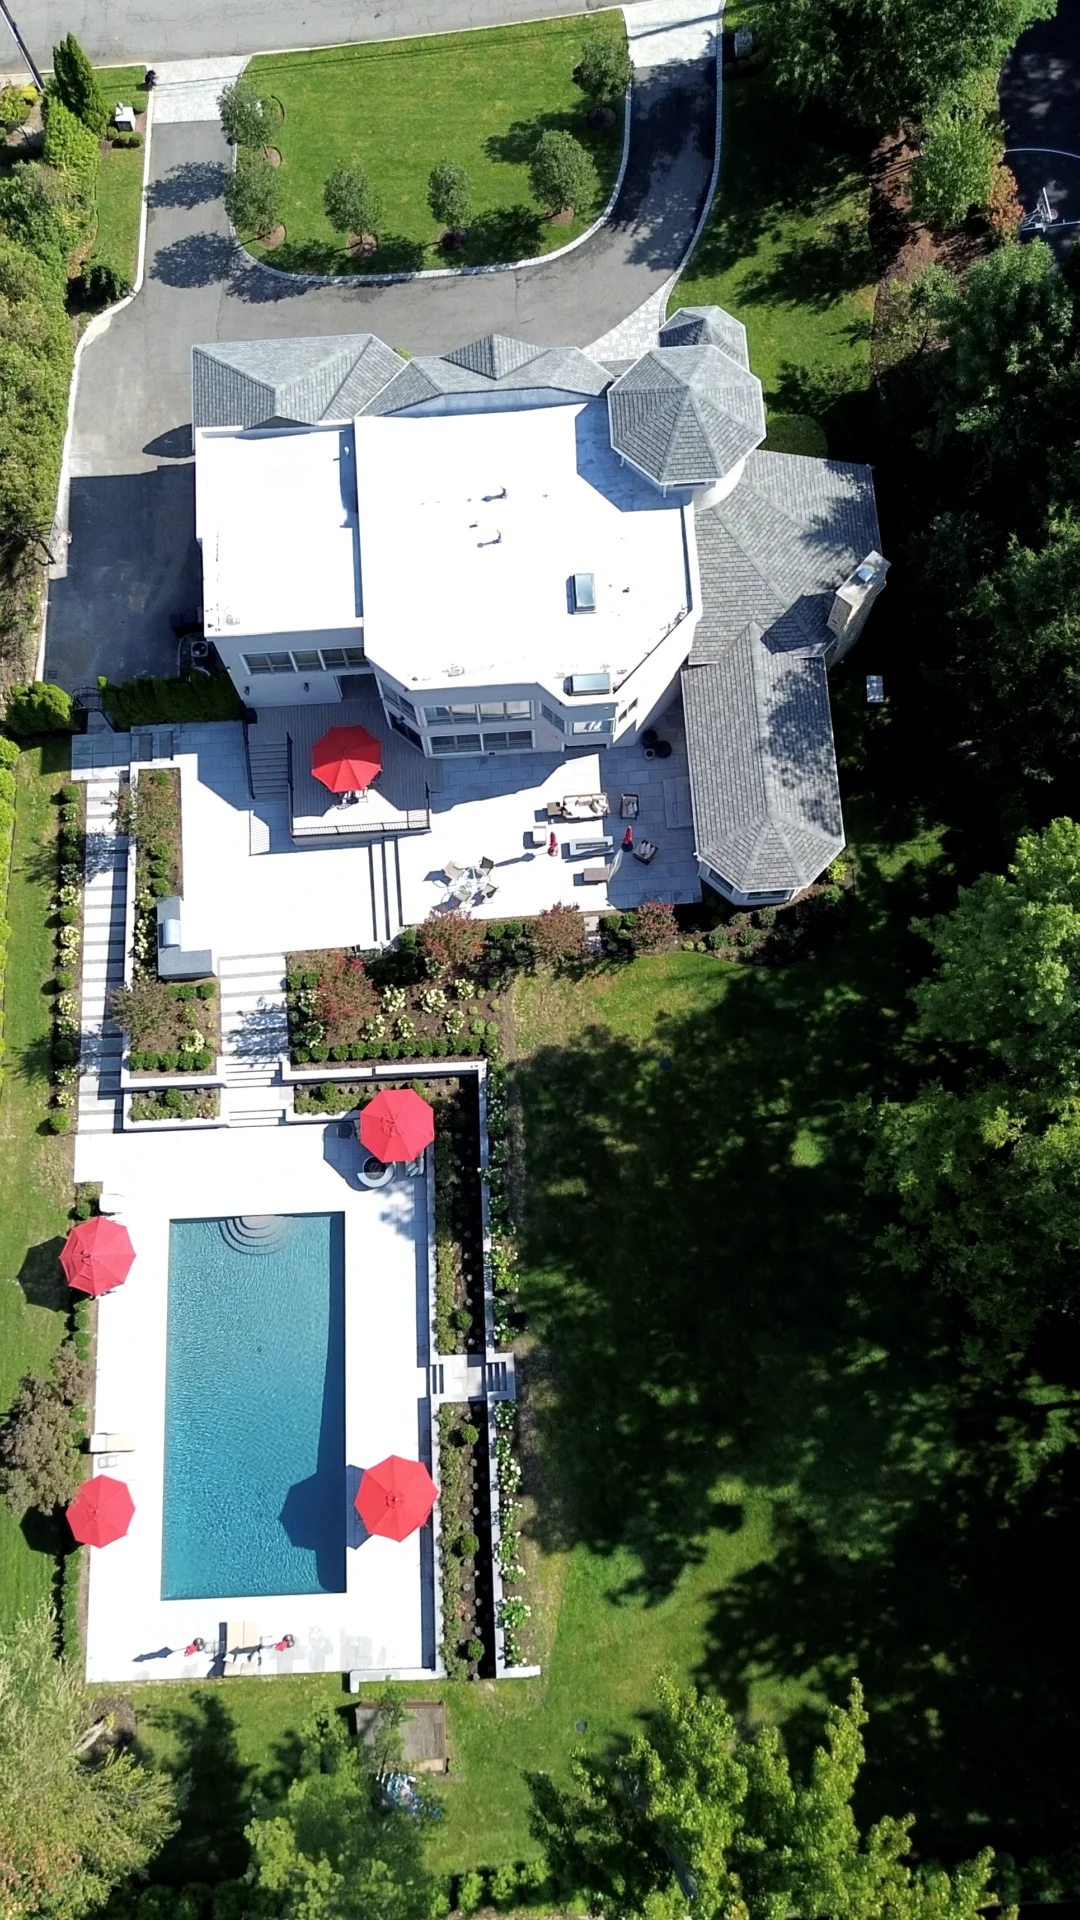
254	1498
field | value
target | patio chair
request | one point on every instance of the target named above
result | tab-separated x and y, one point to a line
486	865
645	850
489	889
453	871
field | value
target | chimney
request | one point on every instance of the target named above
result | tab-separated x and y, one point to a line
853	601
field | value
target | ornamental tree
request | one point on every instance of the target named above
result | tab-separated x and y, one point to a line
561	173
352	203
252	194
698	1818
559	935
961	149
604	70
40	1463
449	194
247	117
653	927
75	83
451	941
72	1827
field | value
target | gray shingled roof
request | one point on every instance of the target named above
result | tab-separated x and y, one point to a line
758	729
494	364
693	325
762	766
245	383
686	415
778	547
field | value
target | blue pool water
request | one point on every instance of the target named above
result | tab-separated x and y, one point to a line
255	1408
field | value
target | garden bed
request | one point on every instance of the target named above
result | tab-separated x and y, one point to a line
171	1028
512	1612
468	1643
479	99
71	854
349	1006
174	1104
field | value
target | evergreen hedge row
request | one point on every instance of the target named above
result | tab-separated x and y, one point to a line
9	755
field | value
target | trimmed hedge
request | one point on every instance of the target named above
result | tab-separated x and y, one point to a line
71	148
196	696
9	755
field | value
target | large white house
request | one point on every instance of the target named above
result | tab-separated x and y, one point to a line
523	550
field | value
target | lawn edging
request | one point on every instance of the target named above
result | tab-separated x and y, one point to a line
448	273
93	331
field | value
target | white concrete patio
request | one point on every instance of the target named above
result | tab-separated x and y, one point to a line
249	890
384	1621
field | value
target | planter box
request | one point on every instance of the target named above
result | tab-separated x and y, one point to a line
377	1069
171	1125
149	1082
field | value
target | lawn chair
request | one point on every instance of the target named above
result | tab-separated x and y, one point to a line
453	871
486	865
489	889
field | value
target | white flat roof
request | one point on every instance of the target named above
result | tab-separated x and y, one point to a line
471	525
275	510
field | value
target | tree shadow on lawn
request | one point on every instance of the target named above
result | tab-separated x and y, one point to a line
701	1264
41	1276
816	271
209	1844
395	253
777	163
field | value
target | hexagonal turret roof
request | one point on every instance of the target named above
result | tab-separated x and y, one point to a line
706	326
686	415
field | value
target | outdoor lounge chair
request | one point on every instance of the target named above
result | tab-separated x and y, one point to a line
645	851
489	889
453	871
486	865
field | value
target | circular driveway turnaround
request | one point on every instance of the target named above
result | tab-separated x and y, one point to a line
132	560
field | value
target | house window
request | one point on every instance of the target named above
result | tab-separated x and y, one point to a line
455	743
627	711
392	698
506	710
399	726
269	663
309	660
591	726
553	719
336	657
510	742
438	716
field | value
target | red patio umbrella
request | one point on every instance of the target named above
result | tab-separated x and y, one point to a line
97	1255
396	1497
397	1126
101	1511
346	759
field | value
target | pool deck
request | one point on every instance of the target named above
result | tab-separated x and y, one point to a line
384	1623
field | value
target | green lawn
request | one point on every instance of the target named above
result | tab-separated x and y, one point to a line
786	250
35	1168
397	107
755	1458
120	176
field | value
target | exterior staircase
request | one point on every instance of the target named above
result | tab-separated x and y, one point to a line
104	905
384	891
268	763
254	1035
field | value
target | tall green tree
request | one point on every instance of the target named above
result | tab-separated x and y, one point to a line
561	172
449	195
983	1163
960	152
604	70
71	1827
75	83
877	63
352	203
329	1850
247	117
252	194
698	1819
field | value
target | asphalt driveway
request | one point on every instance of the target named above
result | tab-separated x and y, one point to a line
132	560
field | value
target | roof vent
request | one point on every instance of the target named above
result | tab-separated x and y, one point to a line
583	592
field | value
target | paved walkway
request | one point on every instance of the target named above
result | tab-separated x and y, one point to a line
132	560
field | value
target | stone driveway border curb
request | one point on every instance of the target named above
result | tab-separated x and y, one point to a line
449	273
